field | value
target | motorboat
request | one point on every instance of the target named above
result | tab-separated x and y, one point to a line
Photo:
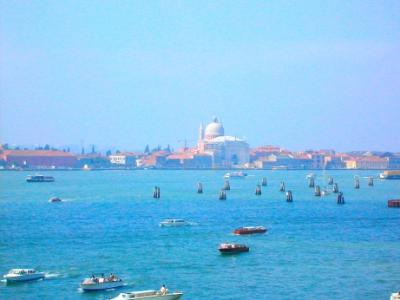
39	178
230	248
250	230
174	223
238	174
395	296
19	275
149	295
390	175
55	200
101	283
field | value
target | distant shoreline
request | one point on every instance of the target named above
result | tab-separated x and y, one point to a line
180	169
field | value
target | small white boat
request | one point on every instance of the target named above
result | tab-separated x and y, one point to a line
39	178
311	175
149	295
395	296
174	223
238	174
101	283
19	275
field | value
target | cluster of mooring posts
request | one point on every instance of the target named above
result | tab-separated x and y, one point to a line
264	181
227	186
222	195
356	182
289	195
156	193
200	188
282	187
317	191
335	188
311	182
340	198
258	190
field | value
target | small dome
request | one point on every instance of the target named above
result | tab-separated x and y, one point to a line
214	129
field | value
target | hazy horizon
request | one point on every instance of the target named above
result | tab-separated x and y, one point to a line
300	75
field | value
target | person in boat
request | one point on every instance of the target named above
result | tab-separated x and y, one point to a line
163	290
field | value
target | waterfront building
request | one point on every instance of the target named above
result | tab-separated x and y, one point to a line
188	160
367	162
39	158
264	151
372	162
394	162
284	161
225	151
318	161
127	159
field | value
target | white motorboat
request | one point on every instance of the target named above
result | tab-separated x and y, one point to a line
395	296
19	275
149	295
174	223
39	178
238	174
101	283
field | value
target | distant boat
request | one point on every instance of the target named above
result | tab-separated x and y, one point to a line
149	295
250	230
390	175
174	223
101	283
55	200
230	248
238	174
395	296
311	175
39	178
19	275
275	168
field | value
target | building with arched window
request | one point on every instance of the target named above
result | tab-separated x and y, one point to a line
226	151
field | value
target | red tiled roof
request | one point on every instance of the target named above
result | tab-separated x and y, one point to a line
180	156
36	153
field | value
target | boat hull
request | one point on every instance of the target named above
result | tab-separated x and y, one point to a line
174	296
102	286
242	231
28	277
233	251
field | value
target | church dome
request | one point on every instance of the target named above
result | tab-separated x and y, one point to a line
214	129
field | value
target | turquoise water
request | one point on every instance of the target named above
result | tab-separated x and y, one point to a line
314	249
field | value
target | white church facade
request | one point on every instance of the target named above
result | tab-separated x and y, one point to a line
226	151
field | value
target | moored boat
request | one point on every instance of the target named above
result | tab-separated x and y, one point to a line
394	203
230	248
149	295
19	275
390	175
238	174
250	230
39	178
395	296
174	223
101	283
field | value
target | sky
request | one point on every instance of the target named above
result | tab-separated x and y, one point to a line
298	74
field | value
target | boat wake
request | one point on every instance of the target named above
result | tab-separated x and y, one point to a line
49	275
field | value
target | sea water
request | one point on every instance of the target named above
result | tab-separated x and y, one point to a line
109	222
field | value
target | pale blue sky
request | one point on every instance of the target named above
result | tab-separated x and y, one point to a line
300	74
